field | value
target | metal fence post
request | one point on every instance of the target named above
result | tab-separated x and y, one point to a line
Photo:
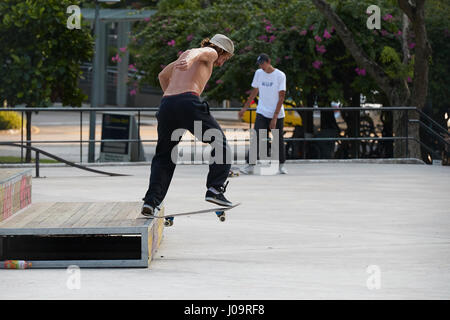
407	133
37	164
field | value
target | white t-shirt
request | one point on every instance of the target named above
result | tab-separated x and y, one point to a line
269	84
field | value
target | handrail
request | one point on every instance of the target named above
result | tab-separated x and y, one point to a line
433	121
299	109
87	109
430	130
37	150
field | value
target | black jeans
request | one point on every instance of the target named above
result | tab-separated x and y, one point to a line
262	122
179	112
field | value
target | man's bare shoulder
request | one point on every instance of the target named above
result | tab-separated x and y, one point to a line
207	53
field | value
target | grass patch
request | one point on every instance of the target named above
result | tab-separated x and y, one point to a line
8	159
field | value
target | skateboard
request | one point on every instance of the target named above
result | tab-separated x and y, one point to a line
234	172
220	212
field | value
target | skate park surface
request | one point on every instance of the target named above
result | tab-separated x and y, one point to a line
324	231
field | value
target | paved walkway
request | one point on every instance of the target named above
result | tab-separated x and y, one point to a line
325	231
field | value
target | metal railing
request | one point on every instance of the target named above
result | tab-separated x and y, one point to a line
140	111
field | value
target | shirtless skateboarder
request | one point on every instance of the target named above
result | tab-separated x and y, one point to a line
182	82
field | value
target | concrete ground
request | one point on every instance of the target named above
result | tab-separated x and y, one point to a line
324	231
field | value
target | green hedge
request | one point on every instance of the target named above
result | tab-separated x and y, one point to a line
10	120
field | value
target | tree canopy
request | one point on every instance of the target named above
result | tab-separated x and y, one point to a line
40	57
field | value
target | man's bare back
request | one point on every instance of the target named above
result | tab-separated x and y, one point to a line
190	72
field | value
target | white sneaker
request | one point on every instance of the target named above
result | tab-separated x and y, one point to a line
248	169
282	169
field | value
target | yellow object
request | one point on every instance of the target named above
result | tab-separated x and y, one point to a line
291	119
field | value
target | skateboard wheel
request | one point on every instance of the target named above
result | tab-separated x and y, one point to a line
168	222
221	215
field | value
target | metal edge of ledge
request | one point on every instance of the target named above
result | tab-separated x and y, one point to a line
239	162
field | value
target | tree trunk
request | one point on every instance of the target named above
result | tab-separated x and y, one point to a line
416	15
28	151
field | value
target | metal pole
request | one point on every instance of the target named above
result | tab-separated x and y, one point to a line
94	87
37	164
21	141
139	135
81	136
407	133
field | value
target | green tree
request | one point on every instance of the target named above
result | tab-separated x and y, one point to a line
40	57
393	82
310	47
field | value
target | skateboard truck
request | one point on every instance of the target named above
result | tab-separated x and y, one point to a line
221	215
168	221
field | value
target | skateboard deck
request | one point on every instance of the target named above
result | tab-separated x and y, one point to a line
220	212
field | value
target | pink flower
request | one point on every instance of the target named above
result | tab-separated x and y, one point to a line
384	33
147	19
116	58
171	43
409	79
263	37
123	49
361	72
321	49
133	92
287	57
132	67
268	28
180	53
332	29
219	81
326	34
272	39
317	64
399	32
303	32
190	37
411	45
318	39
388	17
311	27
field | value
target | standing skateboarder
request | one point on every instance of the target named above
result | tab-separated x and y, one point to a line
182	82
270	83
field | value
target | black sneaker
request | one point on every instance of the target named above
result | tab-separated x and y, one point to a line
215	195
148	210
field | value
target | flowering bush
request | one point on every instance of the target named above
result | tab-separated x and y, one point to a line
297	38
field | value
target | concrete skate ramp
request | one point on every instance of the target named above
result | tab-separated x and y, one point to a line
85	234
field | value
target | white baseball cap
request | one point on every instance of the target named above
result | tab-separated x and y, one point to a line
223	42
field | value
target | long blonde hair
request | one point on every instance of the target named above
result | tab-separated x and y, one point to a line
207	43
